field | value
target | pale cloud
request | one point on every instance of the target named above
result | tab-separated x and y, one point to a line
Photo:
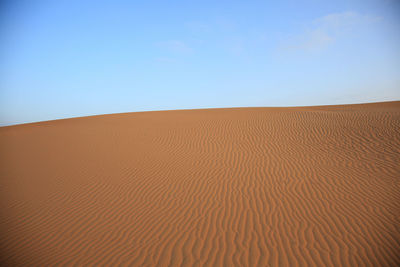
310	40
325	30
175	46
343	21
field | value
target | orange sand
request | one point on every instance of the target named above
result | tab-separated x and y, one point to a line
219	187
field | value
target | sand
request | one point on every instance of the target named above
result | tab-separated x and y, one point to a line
304	186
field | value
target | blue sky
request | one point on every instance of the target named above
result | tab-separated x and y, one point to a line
63	59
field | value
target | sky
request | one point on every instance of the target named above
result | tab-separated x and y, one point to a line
61	59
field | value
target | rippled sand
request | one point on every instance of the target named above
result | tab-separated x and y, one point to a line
216	187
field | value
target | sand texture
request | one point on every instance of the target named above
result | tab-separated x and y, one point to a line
305	186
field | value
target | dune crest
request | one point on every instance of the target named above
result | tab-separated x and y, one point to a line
305	186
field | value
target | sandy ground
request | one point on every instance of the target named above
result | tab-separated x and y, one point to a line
309	186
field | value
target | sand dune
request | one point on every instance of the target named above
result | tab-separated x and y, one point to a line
306	186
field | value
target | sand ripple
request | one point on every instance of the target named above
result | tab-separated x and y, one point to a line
310	186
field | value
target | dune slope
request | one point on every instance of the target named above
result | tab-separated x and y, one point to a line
316	186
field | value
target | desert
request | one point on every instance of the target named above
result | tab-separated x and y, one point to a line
294	186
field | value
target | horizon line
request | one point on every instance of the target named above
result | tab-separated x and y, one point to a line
188	109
